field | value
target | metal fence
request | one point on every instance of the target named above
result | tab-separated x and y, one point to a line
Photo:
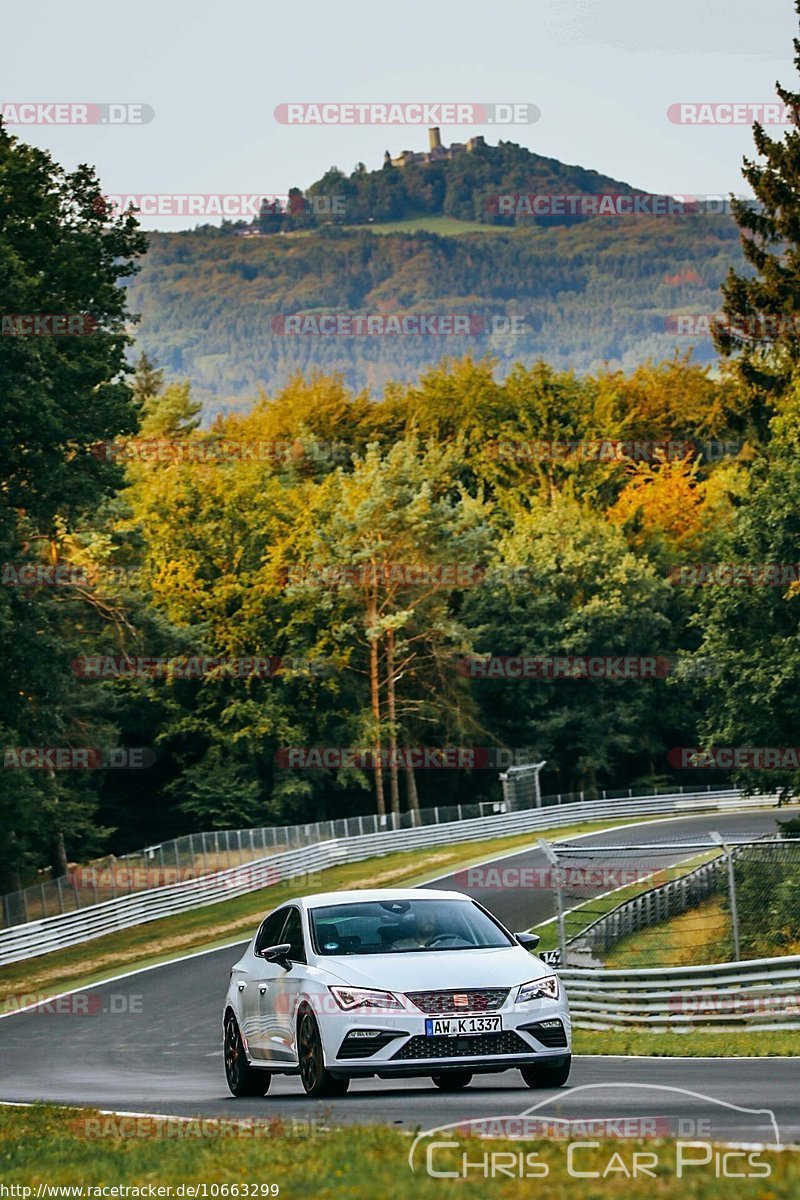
676	904
94	921
199	854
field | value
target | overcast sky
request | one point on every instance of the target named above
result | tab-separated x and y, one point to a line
602	72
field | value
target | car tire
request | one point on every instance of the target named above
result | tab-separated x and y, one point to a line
452	1081
541	1075
314	1075
243	1080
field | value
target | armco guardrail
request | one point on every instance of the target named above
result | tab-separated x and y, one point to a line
759	994
58	932
197	854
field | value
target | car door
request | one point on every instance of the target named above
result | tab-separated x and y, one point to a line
254	986
279	997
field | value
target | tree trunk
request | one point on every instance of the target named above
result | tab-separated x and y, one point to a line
394	782
375	697
413	798
58	855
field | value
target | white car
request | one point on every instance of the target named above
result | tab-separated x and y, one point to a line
391	982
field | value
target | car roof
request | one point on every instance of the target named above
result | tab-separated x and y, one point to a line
323	899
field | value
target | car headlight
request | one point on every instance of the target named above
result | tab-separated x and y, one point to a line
545	988
351	999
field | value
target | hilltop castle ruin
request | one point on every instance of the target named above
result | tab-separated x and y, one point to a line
436	152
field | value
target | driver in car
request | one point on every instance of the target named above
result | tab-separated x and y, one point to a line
420	932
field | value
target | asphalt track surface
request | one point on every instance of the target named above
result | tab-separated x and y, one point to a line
151	1043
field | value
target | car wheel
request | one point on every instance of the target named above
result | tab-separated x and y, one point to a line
243	1080
314	1075
452	1081
543	1076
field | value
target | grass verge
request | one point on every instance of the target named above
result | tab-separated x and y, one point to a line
700	935
49	1146
217	924
697	1043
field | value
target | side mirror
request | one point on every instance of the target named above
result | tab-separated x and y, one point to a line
278	954
529	940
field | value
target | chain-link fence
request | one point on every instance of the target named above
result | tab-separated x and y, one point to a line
199	854
676	904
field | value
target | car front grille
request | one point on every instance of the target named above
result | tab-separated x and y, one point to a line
355	1046
478	1000
488	1045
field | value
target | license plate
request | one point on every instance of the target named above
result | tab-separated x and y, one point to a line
461	1026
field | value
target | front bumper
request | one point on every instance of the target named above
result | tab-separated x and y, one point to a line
397	1043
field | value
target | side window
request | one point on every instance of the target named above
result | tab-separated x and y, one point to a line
293	933
269	933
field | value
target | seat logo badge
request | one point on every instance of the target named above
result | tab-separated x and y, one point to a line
460	1000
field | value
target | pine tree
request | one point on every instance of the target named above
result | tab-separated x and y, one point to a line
148	379
60	253
762	311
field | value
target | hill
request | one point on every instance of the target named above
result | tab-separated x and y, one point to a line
574	290
462	183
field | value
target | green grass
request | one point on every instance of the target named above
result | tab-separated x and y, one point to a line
700	935
444	226
229	920
48	1145
700	1043
703	934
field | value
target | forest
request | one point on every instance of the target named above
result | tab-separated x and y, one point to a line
335	598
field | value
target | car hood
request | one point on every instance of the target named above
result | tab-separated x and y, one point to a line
429	970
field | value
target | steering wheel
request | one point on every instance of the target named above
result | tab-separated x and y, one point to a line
442	937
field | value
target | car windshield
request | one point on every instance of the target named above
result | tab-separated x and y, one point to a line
404	926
